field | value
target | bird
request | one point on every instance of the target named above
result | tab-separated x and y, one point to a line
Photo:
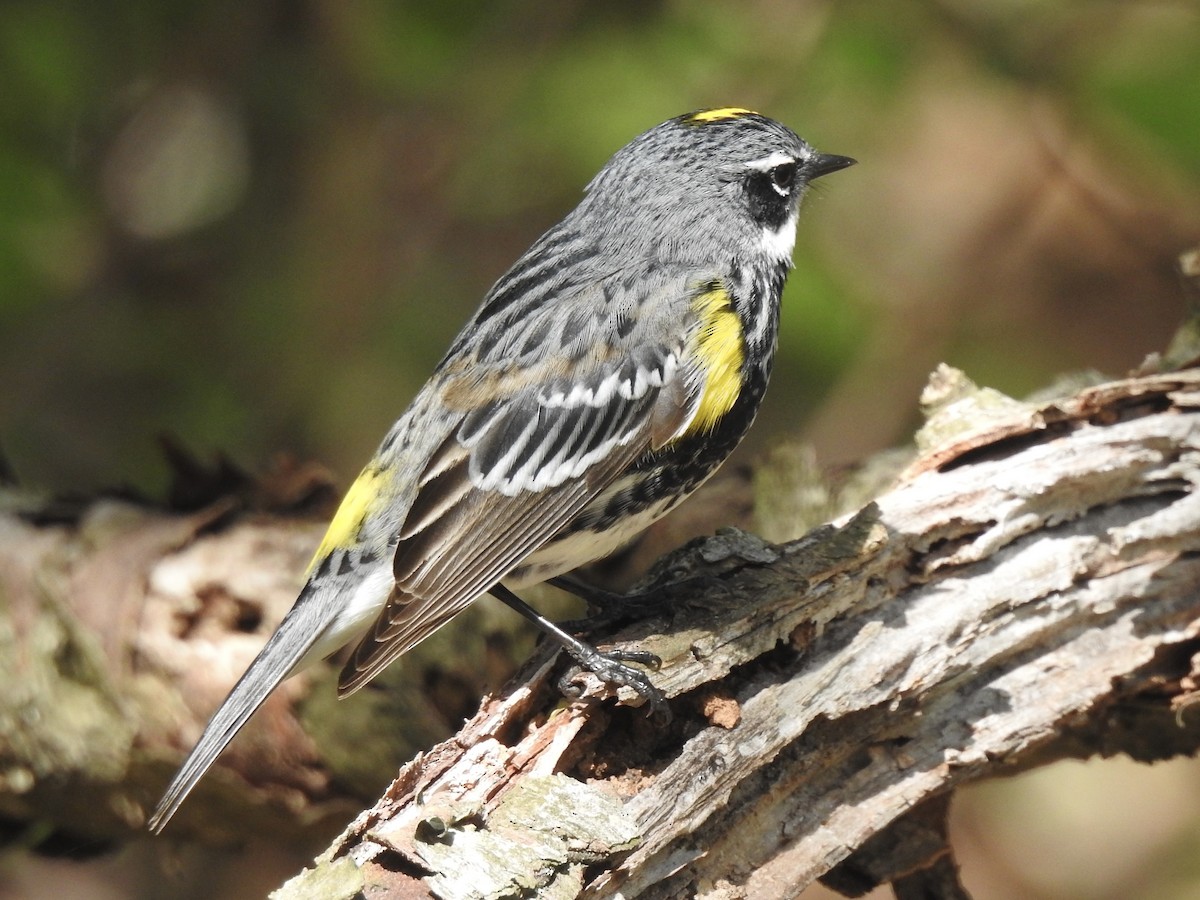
603	378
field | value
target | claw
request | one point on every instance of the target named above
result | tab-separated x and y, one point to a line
611	669
641	657
608	667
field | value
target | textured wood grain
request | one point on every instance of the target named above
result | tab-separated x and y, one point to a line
1027	589
1030	590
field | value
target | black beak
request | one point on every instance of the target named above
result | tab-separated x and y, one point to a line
824	163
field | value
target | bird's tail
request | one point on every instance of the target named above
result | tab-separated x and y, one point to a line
303	627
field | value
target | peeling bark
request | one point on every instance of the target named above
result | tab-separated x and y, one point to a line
1028	590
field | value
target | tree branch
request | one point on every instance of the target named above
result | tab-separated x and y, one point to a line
1030	590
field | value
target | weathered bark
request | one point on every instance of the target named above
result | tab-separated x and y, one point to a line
124	625
1028	590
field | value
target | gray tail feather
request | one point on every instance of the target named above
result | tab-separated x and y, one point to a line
295	636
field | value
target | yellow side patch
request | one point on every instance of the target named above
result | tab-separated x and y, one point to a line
721	350
355	506
716	115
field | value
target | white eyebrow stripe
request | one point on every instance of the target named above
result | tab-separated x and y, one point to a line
767	163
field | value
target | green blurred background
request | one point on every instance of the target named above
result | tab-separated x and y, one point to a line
256	226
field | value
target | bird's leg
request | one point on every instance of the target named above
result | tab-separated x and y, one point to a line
608	667
595	597
606	607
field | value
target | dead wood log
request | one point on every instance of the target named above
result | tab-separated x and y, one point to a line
1028	591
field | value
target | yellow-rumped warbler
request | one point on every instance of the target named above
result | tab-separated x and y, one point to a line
605	376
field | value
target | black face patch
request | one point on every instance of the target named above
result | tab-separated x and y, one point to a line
769	194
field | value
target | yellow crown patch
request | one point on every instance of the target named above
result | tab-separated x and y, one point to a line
704	116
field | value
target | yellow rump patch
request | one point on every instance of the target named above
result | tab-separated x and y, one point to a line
718	115
721	350
347	521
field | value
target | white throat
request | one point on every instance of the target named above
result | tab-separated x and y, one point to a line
778	243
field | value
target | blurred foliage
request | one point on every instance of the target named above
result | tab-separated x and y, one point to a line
256	226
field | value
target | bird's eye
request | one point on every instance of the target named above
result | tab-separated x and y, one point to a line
783	176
